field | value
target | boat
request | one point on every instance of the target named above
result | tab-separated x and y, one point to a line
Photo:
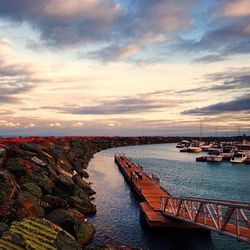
214	155
180	145
238	157
185	149
247	161
202	158
193	149
183	144
227	152
205	147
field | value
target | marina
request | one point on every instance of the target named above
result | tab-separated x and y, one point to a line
181	176
159	208
235	152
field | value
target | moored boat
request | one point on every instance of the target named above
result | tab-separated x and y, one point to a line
185	149
183	144
202	158
227	152
238	157
195	149
214	155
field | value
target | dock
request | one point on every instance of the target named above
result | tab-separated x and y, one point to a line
161	210
150	193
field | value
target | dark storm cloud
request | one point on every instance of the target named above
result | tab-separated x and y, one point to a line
240	104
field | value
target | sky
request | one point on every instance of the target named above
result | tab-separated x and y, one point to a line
124	67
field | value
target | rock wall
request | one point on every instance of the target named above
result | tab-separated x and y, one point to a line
41	178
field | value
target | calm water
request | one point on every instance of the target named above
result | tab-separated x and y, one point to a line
118	216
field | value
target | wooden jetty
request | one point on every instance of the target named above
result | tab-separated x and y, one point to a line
150	192
161	210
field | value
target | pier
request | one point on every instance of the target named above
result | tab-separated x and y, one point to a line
161	210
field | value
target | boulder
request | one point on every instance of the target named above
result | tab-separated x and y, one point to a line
65	183
33	147
83	206
19	166
38	161
85	233
28	206
55	202
64	219
67	243
2	156
34	233
3	228
8	187
82	172
12	150
41	179
82	194
5	209
83	184
74	223
77	215
32	188
65	165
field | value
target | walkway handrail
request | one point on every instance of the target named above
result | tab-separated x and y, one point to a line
235	203
227	217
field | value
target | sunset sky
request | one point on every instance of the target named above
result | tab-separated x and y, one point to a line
124	67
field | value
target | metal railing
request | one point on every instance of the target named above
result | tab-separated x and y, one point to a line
226	217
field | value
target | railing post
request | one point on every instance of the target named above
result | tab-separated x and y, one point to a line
219	214
204	214
236	216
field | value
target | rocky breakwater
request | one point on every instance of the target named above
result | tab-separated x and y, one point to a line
44	180
44	199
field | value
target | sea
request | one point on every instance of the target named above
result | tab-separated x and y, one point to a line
118	220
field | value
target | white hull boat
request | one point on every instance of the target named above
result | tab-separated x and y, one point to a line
214	158
238	157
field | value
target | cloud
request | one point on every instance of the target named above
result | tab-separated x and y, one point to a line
240	104
127	49
123	28
219	37
141	103
239	8
220	41
153	22
122	106
15	77
64	23
236	79
210	58
5	112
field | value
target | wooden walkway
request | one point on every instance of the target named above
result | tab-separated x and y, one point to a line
149	190
161	209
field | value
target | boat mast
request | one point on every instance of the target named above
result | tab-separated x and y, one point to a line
200	128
